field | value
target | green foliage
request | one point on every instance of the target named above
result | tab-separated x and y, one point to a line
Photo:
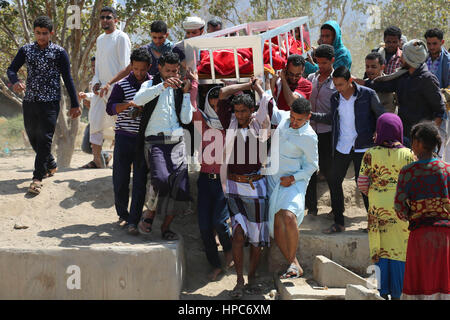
11	132
414	17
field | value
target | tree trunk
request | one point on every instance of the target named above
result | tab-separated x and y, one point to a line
65	135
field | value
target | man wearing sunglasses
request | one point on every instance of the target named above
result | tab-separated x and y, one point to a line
112	55
289	84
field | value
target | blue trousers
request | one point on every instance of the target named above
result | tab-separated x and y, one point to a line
40	121
124	156
212	215
392	273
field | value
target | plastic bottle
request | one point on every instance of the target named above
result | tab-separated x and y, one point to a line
6	150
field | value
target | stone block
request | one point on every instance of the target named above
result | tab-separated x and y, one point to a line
357	292
328	273
151	271
300	289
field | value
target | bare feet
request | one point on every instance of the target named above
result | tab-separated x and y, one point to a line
229	263
214	274
238	291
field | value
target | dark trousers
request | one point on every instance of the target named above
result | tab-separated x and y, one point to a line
341	163
124	156
212	215
325	162
40	121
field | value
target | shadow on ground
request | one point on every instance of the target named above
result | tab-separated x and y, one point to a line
99	191
9	187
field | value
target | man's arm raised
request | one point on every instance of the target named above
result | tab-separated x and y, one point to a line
227	91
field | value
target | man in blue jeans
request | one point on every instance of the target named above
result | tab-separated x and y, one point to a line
353	116
126	155
46	63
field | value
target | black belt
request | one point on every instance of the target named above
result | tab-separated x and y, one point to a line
162	139
212	176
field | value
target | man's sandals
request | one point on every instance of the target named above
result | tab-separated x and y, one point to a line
292	272
145	225
238	292
35	187
93	165
335	228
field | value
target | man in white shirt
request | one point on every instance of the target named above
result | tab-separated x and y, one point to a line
167	110
112	55
353	115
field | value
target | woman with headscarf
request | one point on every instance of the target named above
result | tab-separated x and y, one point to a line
388	235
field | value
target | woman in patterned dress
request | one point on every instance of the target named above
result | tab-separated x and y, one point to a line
422	198
388	235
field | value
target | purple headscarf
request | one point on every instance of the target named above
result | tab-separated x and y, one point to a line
389	131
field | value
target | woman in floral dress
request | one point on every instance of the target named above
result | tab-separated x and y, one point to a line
388	235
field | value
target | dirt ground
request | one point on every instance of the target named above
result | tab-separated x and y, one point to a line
76	209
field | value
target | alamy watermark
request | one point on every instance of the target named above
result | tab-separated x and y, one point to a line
74	280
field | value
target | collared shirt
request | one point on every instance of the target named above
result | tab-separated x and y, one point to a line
164	118
320	99
44	69
124	91
347	129
394	62
433	66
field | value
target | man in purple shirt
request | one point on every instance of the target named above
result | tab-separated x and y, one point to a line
126	154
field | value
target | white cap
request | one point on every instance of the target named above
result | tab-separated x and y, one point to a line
191	23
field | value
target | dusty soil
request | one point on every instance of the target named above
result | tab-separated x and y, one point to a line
76	209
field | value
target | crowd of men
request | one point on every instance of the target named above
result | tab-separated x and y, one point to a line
314	116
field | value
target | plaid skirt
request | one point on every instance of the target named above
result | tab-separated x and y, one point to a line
249	208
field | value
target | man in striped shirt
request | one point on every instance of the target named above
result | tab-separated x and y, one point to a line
121	103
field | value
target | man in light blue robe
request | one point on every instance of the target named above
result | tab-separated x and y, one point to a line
297	151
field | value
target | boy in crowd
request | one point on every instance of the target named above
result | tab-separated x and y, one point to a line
159	45
391	51
126	156
374	68
46	63
322	90
86	98
438	61
330	33
353	115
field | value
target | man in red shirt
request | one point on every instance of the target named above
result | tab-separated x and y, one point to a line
289	84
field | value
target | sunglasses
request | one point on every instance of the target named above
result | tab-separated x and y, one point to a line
106	17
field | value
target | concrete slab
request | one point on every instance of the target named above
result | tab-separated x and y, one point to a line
328	273
356	292
154	271
349	249
301	289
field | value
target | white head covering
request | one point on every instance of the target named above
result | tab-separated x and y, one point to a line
193	23
210	116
